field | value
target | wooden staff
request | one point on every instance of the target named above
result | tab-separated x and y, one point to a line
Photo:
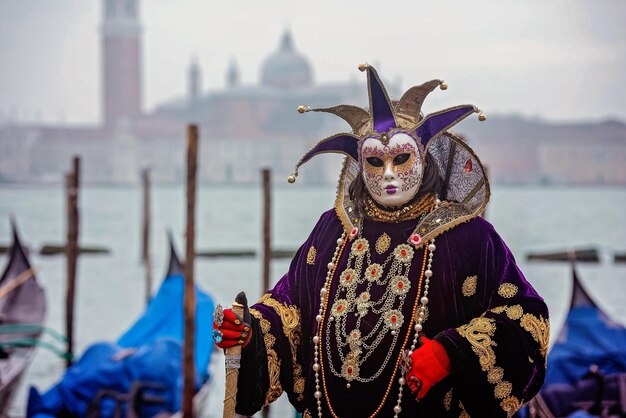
145	232
190	295
71	252
233	361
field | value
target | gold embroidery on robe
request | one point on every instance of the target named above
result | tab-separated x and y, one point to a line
273	363
464	413
382	243
513	312
539	328
310	257
510	405
502	389
479	332
447	400
469	286
495	375
499	309
507	290
290	318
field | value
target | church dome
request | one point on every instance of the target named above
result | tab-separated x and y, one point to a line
286	68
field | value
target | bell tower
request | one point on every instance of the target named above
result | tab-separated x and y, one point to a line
121	61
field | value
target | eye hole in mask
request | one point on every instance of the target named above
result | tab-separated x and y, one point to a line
375	161
401	159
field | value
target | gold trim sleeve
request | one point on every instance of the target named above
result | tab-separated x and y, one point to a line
479	333
290	318
273	363
539	328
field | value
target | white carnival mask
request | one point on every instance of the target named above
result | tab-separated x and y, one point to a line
392	172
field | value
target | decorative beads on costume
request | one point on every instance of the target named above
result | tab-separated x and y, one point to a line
403	253
360	247
400	285
373	272
407	212
416	239
394	319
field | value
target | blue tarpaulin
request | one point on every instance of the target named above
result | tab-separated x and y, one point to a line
143	368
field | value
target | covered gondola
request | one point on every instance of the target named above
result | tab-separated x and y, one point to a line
141	374
586	374
22	315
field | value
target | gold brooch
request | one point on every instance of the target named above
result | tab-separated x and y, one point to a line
382	243
310	257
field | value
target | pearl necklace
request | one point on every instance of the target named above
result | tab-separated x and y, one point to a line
418	327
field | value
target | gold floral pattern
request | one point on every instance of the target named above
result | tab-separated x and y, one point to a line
479	332
447	400
382	243
350	369
502	389
393	319
373	272
403	253
495	374
347	278
539	328
507	290
515	312
339	308
400	285
310	256
290	318
273	363
469	286
360	247
510	405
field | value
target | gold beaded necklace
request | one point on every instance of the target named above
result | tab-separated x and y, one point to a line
407	212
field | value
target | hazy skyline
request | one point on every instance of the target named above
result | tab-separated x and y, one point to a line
559	60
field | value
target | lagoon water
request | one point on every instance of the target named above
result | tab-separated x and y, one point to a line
111	289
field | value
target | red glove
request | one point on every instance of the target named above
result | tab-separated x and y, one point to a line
234	331
429	365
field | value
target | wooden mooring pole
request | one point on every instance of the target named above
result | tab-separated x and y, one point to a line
145	232
267	227
267	241
72	181
190	296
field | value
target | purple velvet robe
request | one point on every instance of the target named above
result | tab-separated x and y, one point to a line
490	320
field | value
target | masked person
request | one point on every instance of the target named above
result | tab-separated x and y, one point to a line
403	301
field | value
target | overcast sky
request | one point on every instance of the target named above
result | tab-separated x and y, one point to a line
560	60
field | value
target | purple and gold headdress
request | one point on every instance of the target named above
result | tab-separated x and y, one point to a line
466	190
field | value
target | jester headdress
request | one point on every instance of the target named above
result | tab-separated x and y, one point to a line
465	190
